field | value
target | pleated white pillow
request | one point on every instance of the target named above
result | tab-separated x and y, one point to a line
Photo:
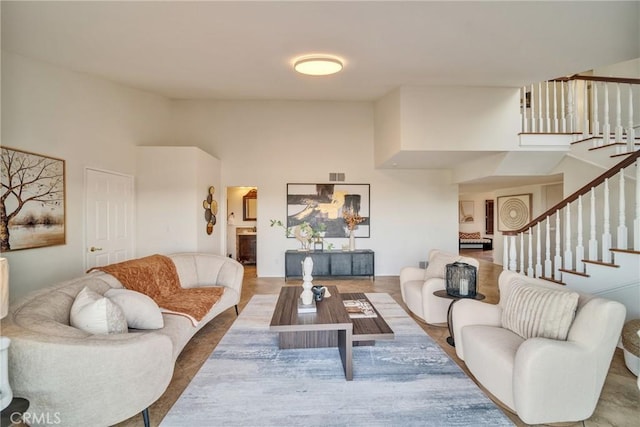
94	313
536	311
140	310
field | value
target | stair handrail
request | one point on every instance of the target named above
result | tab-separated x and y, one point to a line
628	161
628	80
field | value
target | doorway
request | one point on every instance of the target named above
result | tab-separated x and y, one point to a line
242	219
109	232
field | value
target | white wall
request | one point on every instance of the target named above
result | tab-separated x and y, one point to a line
86	121
171	185
432	118
270	144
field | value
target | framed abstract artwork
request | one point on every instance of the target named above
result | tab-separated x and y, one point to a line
33	200
514	212
322	205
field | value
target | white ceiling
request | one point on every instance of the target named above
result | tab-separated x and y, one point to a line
244	50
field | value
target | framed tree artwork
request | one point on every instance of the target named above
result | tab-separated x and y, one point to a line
32	200
514	212
322	206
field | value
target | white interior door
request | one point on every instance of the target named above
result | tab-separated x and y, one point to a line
109	217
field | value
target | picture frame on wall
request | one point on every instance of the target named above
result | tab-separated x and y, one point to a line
322	205
514	212
465	211
33	197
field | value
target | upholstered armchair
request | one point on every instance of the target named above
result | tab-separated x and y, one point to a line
543	351
417	286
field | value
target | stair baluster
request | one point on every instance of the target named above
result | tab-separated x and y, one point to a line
621	242
606	127
579	246
532	104
548	272
530	254
557	259
505	252
593	242
585	111
512	253
631	132
562	116
548	111
571	102
568	254
606	234
538	255
618	130
521	270
523	108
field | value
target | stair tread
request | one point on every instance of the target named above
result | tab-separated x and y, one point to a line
551	279
576	272
626	251
607	264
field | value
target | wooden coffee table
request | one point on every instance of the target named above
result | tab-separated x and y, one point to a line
330	326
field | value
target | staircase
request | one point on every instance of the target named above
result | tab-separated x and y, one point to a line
590	241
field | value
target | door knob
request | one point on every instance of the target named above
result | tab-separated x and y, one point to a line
93	249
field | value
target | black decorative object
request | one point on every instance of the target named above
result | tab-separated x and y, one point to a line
461	280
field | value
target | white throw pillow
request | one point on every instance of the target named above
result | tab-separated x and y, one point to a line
438	265
536	311
140	310
91	312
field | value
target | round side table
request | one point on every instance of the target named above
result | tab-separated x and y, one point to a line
12	414
443	294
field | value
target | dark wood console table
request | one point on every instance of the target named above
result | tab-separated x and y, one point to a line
329	264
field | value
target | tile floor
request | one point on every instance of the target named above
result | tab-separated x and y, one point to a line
619	403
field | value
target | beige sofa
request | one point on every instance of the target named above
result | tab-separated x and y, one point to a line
543	380
79	379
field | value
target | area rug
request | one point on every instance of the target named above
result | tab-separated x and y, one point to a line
408	381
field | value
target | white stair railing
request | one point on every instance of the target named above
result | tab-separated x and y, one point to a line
589	105
519	256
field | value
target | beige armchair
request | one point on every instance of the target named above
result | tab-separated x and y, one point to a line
543	380
417	286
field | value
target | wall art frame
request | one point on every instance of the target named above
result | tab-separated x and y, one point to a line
466	212
34	200
514	212
321	205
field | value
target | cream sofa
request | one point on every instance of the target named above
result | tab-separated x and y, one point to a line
417	286
75	378
542	380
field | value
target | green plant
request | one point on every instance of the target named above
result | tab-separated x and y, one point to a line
277	222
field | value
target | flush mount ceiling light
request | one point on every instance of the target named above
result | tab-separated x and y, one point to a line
317	65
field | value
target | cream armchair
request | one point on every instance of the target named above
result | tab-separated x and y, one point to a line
542	380
417	286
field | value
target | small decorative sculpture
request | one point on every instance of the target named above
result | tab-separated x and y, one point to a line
307	269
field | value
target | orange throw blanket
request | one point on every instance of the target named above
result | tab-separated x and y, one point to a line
157	277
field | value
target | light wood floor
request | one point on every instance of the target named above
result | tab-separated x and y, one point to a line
619	403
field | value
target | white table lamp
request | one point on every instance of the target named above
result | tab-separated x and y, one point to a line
6	395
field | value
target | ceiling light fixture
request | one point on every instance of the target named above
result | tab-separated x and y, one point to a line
317	65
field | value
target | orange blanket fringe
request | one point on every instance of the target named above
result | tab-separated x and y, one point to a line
157	277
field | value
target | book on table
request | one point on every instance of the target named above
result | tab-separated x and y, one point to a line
359	308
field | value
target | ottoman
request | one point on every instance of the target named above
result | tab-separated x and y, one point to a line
631	345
